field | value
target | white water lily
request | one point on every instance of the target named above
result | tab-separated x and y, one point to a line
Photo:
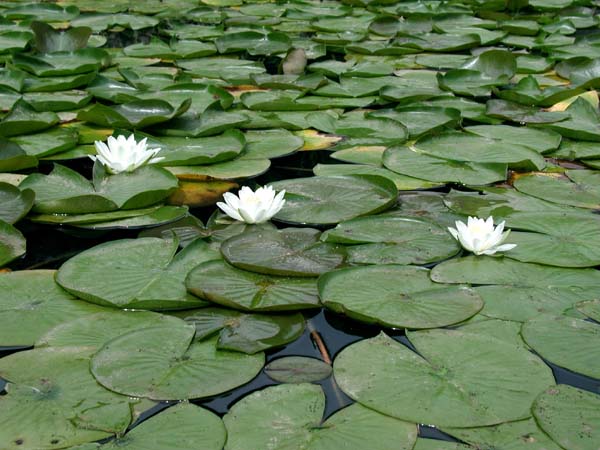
252	207
480	237
124	154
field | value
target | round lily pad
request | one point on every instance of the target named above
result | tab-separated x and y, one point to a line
566	341
397	296
570	416
329	200
58	404
248	291
297	369
91	332
179	427
14	203
590	308
140	273
248	333
31	304
393	239
288	252
165	363
463	379
291	418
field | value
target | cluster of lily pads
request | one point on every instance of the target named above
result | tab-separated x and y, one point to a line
436	114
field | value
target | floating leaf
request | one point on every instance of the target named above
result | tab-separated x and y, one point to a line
396	296
297	369
220	283
165	363
12	243
14	203
144	273
460	385
590	308
23	119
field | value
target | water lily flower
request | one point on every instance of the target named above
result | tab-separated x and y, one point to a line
124	155
252	207
480	237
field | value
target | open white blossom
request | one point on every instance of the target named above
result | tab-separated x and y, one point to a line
124	155
252	207
480	237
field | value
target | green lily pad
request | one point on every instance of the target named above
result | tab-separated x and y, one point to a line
236	71
486	270
274	143
556	239
59	404
471	148
160	215
329	200
47	12
298	369
518	303
23	119
420	120
12	243
523	434
540	140
393	240
460	385
96	219
590	308
247	333
570	416
287	252
60	64
298	410
239	168
89	334
47	143
522	114
66	191
254	43
220	283
375	294
179	427
579	188
14	203
431	444
568	342
14	41
412	161
13	157
57	101
165	363
144	273
213	120
582	123
135	114
528	92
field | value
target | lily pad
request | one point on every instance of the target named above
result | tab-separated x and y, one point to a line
247	333
392	239
59	404
579	188
31	304
590	308
165	363
565	341
89	334
570	416
14	203
60	64
298	369
254	42
453	374
23	119
221	283
396	296
12	243
299	409
179	427
144	273
329	200
47	143
287	252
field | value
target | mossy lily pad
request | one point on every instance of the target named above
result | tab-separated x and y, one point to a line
165	363
396	296
453	373
144	273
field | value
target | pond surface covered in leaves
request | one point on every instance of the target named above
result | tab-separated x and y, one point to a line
135	314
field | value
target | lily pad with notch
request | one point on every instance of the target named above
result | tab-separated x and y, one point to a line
299	409
455	391
286	252
166	363
396	296
329	200
23	119
46	143
139	273
14	202
246	333
60	64
223	284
